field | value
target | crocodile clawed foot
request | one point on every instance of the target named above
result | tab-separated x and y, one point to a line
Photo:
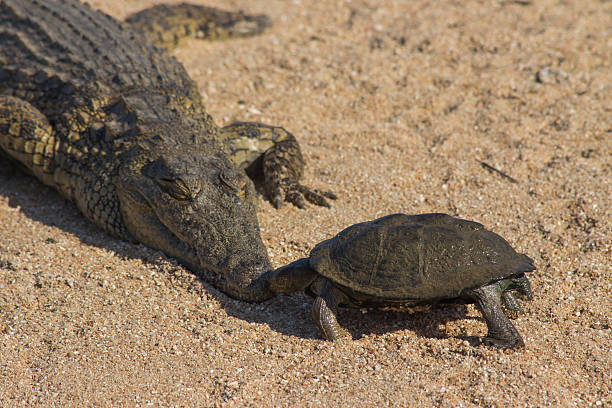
315	196
299	195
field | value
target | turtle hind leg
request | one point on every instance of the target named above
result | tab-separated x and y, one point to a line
502	332
324	311
512	306
522	286
518	285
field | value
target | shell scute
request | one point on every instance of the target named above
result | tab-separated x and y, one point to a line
416	257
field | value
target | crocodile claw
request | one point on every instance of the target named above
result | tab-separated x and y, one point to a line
299	195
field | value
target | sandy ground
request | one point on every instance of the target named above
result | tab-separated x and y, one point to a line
395	104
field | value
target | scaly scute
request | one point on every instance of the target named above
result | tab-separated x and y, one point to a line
93	108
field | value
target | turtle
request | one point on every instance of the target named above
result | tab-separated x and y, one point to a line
412	260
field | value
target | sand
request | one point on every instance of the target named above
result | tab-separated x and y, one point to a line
396	105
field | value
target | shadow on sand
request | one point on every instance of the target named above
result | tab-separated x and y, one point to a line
286	314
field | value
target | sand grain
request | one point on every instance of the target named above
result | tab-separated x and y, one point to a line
395	104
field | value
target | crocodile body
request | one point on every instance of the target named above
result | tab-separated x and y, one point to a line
118	127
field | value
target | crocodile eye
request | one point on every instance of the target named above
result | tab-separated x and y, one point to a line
234	182
175	187
228	181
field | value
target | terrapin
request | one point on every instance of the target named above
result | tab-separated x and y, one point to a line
412	260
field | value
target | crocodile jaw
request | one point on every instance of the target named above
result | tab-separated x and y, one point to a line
215	233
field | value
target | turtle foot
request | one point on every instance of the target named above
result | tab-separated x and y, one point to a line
515	343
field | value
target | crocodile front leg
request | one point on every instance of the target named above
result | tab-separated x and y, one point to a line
275	153
27	137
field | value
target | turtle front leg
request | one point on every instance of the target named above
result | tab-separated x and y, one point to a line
324	311
502	332
275	153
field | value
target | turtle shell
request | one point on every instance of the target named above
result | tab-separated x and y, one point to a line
416	257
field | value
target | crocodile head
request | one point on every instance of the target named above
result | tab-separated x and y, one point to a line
189	201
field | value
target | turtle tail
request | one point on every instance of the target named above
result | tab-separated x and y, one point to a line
524	264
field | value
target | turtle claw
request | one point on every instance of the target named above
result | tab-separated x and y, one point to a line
324	312
503	344
340	335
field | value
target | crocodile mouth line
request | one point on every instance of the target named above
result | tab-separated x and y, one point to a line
187	254
193	262
175	246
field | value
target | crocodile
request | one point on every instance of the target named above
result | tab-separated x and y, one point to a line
97	109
